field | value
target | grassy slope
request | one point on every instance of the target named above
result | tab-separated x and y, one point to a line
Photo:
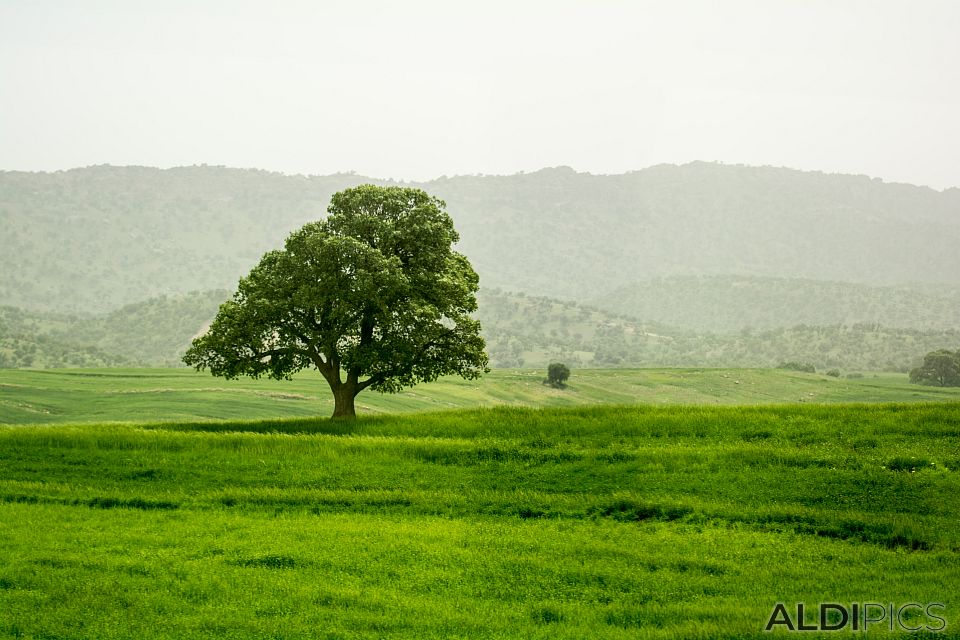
601	522
59	395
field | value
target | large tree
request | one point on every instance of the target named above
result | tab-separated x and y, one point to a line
940	368
372	296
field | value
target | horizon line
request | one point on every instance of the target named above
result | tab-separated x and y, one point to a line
443	177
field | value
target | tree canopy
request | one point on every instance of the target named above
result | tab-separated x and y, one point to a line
557	374
372	296
940	368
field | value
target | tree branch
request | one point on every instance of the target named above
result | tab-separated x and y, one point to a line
380	377
260	355
374	379
323	366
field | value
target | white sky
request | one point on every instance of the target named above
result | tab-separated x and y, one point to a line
415	89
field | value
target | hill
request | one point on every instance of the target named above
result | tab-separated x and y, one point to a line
521	331
526	330
732	303
561	233
154	332
25	341
95	239
91	240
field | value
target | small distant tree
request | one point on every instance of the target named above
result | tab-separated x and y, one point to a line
557	375
940	368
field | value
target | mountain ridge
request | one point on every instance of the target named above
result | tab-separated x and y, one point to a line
402	181
94	239
732	303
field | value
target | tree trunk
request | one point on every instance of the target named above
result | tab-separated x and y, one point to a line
343	396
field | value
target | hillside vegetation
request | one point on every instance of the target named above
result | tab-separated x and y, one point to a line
24	344
94	239
732	303
155	332
561	233
594	522
521	331
531	331
696	265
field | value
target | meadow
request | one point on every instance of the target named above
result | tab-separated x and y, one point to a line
506	522
101	395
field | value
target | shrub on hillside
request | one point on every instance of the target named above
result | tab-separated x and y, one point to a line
557	375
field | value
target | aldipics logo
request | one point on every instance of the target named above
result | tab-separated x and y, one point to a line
859	616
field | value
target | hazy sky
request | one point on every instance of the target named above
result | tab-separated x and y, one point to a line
415	89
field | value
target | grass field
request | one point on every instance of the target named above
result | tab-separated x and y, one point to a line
587	522
60	395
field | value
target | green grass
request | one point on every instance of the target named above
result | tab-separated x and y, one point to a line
599	522
61	395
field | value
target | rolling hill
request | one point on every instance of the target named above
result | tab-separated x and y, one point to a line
94	239
520	330
154	332
733	303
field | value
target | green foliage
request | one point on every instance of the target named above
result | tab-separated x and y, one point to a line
375	290
834	373
557	375
600	522
940	368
